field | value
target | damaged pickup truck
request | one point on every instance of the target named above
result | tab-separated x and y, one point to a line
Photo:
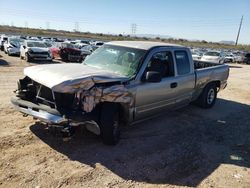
121	83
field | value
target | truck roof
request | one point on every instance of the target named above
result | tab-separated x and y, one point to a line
145	45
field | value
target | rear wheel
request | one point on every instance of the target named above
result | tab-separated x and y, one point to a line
208	97
109	123
27	57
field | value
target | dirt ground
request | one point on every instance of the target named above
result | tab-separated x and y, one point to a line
189	147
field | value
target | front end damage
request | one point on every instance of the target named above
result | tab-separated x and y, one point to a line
72	102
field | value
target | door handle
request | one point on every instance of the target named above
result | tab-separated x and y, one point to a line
173	85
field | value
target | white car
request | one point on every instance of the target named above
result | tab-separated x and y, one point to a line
230	58
196	56
35	50
213	56
12	45
3	38
97	44
86	50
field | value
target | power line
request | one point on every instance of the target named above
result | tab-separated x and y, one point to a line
239	31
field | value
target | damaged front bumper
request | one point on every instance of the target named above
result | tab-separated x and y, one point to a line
41	112
51	116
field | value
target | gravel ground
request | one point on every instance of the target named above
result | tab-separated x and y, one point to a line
188	147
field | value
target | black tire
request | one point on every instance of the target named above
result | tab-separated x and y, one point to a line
27	57
208	96
109	123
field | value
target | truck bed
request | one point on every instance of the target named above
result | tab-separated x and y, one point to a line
204	64
206	72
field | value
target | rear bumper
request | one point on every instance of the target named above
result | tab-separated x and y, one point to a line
41	112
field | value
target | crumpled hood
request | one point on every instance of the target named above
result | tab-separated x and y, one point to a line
37	49
70	77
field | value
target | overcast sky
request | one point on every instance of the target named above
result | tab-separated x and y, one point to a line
212	20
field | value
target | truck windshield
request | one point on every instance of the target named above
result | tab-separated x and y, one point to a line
121	60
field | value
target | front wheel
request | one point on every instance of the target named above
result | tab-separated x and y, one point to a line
208	97
27	57
109	124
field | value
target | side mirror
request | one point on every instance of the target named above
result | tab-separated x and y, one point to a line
153	76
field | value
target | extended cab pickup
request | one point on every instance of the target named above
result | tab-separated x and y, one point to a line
121	83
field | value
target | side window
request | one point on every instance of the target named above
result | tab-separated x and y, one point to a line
162	62
182	62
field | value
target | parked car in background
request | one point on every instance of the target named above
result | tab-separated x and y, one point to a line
34	50
67	52
230	58
3	38
82	43
12	45
96	44
238	58
196	56
213	56
246	58
86	50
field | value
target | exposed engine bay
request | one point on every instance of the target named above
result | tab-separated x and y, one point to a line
81	98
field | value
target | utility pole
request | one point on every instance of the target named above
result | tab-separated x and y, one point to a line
239	31
47	25
76	27
26	25
133	28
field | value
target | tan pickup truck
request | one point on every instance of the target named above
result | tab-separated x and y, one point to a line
121	83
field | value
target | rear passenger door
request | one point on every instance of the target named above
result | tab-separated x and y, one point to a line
185	77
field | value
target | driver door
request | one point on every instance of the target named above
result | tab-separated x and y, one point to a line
153	98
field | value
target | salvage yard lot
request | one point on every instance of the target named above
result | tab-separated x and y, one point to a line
188	147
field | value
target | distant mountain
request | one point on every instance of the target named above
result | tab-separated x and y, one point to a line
227	42
152	36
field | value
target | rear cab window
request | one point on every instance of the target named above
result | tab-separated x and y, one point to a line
182	62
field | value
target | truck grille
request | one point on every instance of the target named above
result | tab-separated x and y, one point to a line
63	102
39	94
45	96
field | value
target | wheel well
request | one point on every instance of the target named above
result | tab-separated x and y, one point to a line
217	83
120	107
